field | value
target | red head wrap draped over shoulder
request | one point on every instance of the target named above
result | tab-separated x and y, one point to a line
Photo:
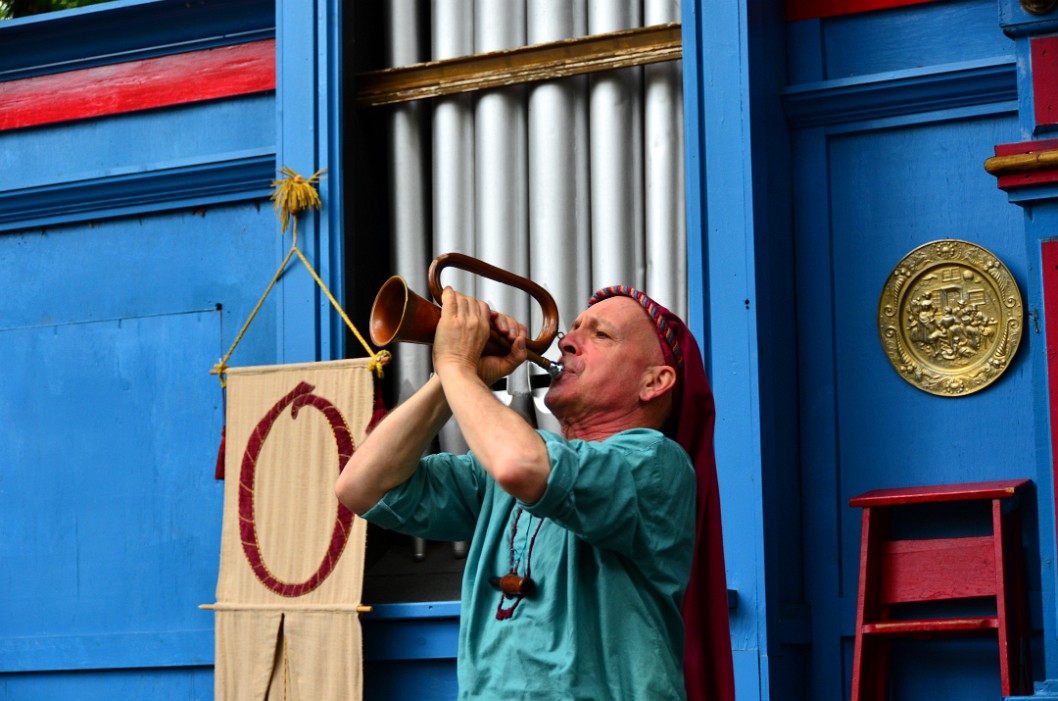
707	663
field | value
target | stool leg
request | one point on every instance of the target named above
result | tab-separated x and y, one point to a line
870	660
1011	603
1000	542
871	679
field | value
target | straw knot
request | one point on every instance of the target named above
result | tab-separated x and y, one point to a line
293	194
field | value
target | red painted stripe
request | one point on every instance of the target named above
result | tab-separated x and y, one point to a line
1026	147
797	10
138	85
1049	265
1044	52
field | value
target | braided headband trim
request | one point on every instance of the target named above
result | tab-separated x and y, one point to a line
665	331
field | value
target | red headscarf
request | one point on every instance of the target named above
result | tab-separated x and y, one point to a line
707	666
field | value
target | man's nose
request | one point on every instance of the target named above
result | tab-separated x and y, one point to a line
566	343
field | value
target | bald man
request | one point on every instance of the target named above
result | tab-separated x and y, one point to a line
581	544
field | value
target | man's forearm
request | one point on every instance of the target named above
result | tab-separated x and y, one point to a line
391	452
501	439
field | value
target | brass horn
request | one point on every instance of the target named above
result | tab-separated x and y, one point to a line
399	314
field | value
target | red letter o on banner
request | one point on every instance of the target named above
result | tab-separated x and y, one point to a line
301	396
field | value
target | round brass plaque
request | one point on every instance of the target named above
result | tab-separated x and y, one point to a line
950	317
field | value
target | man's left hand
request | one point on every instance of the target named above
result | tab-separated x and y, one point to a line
463	332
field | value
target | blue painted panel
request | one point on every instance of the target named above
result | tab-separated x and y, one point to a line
410	651
910	37
409	681
139	267
191	684
924	183
108	329
110	510
107	335
955	668
138	142
891	191
420	631
99	650
816	408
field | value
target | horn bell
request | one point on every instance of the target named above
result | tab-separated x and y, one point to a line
398	314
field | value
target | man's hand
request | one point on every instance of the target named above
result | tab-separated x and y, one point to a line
464	331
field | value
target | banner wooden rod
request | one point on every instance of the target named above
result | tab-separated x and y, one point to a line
359	608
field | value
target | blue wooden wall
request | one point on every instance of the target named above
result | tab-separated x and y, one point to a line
885	122
132	247
893	114
821	152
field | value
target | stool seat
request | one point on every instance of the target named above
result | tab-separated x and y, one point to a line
894	572
1000	489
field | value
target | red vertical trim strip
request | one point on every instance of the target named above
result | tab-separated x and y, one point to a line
138	85
797	10
1049	269
1044	52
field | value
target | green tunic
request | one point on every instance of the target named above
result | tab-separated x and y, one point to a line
609	546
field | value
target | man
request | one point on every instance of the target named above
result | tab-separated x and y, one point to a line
581	545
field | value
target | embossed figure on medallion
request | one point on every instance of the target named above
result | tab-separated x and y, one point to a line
950	317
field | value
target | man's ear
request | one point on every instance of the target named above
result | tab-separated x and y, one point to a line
657	380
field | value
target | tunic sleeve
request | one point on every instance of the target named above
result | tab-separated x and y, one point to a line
440	501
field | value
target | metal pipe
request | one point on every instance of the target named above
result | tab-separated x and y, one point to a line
616	161
453	166
500	159
665	218
407	184
407	189
559	217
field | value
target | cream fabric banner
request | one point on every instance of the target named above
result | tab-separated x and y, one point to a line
291	562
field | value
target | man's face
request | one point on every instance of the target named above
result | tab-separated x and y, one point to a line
603	356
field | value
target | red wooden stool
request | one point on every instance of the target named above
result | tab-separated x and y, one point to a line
895	572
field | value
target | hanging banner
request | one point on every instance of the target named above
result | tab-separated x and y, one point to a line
291	566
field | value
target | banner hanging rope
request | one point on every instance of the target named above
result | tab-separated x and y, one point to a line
292	195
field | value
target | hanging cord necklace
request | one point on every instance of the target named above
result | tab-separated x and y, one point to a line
513	585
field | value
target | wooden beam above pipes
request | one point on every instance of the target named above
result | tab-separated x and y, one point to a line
525	64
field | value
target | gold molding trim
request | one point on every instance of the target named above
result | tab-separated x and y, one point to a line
950	317
1022	163
525	64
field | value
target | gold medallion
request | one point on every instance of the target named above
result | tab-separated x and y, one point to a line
950	318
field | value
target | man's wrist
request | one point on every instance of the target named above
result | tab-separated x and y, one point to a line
453	368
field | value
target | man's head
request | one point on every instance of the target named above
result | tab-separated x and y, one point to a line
616	374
